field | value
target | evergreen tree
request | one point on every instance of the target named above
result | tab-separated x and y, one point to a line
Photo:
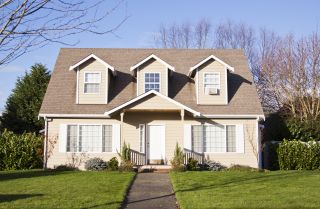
23	105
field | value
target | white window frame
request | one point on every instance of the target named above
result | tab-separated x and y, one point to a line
144	80
142	138
225	141
78	134
204	80
84	81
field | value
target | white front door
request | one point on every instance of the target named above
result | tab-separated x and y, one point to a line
156	144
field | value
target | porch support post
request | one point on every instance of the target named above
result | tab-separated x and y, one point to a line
182	115
121	128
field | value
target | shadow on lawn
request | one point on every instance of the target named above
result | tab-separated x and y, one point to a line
244	180
11	175
14	197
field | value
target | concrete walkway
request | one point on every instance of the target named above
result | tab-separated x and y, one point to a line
151	190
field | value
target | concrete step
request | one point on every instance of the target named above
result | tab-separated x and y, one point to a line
154	168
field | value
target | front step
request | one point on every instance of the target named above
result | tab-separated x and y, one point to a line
154	168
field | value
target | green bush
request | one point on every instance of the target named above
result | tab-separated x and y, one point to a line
297	155
304	130
20	151
192	165
125	156
95	164
177	160
113	164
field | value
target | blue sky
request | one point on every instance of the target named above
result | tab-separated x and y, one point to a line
286	16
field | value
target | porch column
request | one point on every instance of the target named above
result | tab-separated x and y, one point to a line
121	128
182	115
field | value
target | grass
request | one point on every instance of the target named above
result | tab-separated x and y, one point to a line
245	189
63	189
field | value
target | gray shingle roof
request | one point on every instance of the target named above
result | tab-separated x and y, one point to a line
61	92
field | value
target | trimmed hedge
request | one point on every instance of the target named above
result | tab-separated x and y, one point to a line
20	151
298	155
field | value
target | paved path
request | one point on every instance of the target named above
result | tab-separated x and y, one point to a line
151	190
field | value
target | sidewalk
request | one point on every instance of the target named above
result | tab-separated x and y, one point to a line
151	190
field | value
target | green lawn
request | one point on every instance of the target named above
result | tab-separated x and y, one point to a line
244	189
63	189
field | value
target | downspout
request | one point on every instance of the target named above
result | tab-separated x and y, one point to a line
45	144
258	134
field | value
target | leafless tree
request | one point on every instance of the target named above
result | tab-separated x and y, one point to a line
29	24
201	33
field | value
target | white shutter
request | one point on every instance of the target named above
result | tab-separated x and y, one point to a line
116	138
63	138
187	137
240	138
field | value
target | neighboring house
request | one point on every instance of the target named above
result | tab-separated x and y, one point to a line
204	100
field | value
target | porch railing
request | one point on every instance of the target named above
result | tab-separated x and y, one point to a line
138	158
195	155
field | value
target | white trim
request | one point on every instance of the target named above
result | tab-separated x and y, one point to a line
72	67
150	57
233	116
85	82
143	138
204	82
258	144
197	85
146	94
207	59
138	82
226	84
144	80
77	91
167	85
73	115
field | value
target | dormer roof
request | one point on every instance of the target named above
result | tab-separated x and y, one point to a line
152	56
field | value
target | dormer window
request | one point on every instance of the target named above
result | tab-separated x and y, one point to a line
92	82
152	82
212	83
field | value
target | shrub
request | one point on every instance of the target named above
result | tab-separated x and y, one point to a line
304	130
212	166
237	167
297	155
125	156
192	165
177	160
95	164
113	164
65	168
20	151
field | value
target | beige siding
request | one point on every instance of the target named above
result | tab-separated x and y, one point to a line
211	66
173	134
102	96
154	102
153	66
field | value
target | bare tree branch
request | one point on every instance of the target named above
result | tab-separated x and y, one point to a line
30	24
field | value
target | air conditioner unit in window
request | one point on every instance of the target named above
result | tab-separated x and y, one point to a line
212	91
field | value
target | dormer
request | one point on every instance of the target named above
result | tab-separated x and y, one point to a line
152	73
211	81
93	78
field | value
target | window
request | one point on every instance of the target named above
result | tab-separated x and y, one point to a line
92	82
213	138
211	80
142	137
152	82
89	138
231	138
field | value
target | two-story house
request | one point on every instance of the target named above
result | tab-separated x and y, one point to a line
152	99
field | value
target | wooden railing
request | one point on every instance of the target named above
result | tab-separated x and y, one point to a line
138	158
195	155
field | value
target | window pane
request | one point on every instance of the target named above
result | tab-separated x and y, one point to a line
212	80
90	138
197	138
214	138
231	138
152	82
92	77
72	132
107	138
142	138
91	88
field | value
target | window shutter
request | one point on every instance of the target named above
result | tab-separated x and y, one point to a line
240	138
187	137
116	138
63	138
